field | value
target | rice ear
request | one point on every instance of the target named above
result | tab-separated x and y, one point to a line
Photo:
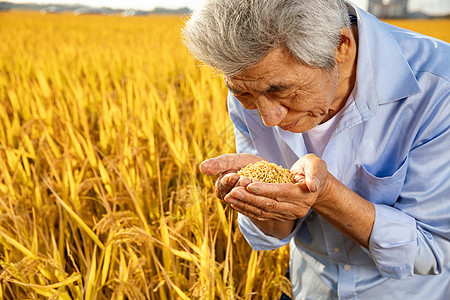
267	172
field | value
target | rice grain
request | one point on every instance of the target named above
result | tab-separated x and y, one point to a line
267	172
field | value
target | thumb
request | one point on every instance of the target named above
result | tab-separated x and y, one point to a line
231	162
217	165
313	183
312	170
210	167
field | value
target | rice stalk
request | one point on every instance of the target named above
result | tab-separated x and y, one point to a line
104	122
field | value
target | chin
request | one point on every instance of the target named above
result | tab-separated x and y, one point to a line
298	130
303	124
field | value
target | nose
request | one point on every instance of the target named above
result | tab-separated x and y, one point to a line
270	111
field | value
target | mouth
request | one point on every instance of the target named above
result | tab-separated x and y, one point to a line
289	126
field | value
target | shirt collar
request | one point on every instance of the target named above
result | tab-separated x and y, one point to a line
383	73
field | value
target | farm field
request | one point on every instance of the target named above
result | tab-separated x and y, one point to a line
438	28
103	123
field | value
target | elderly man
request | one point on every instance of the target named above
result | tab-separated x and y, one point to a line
360	109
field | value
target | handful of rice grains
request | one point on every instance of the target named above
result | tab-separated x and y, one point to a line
267	172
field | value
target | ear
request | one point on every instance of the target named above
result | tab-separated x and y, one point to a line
346	47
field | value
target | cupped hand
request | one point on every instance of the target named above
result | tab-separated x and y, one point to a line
266	201
312	171
226	166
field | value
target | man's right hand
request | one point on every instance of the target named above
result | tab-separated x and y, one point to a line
226	166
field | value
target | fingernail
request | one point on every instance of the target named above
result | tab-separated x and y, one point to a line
244	181
209	166
208	161
253	189
230	200
231	180
236	208
203	164
238	195
316	182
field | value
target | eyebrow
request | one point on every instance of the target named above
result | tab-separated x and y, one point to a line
272	88
277	88
232	89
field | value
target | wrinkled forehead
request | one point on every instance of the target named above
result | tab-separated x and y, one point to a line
259	87
274	60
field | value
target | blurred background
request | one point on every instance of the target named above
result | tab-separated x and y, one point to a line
380	8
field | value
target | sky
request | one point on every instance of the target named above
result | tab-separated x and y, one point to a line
427	6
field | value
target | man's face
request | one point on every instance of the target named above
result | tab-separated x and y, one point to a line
286	94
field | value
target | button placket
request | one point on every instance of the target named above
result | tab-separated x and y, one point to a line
346	282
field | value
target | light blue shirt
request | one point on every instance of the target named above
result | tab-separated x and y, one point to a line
392	147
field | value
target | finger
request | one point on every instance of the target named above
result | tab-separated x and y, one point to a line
313	170
255	213
259	208
216	165
300	179
255	204
279	191
227	163
225	184
248	210
228	182
243	182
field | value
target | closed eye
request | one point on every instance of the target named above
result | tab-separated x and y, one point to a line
279	90
243	95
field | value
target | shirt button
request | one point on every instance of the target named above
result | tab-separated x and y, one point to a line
336	250
347	267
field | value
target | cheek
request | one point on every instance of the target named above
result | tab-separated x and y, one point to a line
246	103
330	85
304	102
320	102
249	105
306	123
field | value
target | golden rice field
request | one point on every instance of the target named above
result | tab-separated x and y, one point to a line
103	122
438	28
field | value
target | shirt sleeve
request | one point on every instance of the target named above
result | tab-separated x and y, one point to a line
413	236
257	239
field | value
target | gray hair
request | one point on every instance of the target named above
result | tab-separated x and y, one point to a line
232	35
